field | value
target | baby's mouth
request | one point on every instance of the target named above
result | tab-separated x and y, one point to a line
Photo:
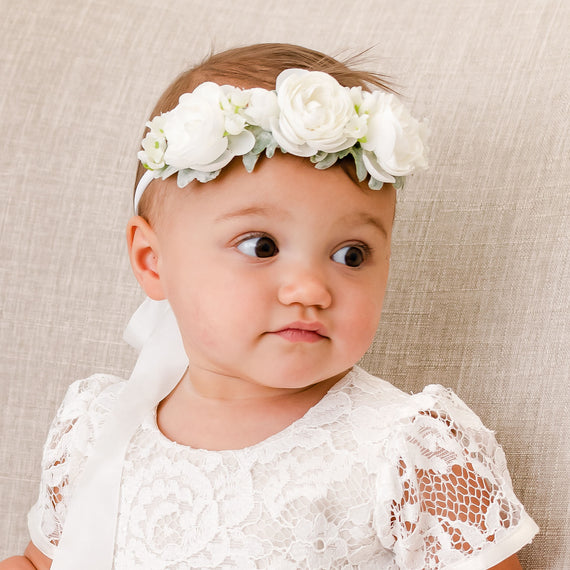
302	332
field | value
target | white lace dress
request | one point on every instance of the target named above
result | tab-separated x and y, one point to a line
370	477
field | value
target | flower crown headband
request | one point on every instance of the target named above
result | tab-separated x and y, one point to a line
309	114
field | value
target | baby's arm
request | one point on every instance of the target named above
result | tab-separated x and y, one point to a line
469	494
33	559
511	563
462	502
453	492
452	499
83	407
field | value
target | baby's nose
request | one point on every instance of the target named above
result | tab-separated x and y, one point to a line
306	287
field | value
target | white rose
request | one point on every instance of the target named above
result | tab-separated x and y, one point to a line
261	109
395	143
196	131
316	113
154	145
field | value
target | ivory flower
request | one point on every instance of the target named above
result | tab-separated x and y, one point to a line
154	145
316	113
395	143
262	108
196	132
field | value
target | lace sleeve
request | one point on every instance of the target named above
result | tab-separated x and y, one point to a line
68	443
453	504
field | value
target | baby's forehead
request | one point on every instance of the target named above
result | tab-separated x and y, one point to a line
281	190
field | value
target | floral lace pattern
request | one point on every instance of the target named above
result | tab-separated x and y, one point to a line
370	477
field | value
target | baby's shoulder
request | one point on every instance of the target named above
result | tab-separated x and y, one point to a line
368	391
82	412
381	408
430	431
95	394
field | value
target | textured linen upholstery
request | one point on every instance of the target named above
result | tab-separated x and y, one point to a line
478	297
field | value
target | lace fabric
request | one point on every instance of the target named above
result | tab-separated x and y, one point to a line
370	477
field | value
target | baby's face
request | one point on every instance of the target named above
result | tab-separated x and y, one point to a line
276	277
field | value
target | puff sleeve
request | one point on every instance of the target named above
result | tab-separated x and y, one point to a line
451	504
69	441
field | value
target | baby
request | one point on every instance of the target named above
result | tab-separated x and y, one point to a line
247	436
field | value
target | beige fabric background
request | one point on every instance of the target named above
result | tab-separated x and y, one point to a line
479	291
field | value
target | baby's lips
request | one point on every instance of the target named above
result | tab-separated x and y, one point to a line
308	326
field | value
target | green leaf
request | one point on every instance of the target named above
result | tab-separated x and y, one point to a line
399	183
326	161
375	184
361	172
188	175
271	148
185	176
250	160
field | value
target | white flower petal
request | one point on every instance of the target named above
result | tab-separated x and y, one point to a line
375	169
262	108
287	145
286	73
223	160
241	144
238	97
234	123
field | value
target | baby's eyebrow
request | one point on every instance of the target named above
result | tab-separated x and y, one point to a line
250	211
356	219
366	219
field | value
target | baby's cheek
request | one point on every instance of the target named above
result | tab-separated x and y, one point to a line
196	323
362	324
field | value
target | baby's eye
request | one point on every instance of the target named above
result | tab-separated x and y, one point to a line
259	246
350	255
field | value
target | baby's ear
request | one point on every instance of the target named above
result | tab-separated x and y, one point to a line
143	254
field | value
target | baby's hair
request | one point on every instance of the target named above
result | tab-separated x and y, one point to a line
257	65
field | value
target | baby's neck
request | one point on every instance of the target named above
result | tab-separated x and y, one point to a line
208	421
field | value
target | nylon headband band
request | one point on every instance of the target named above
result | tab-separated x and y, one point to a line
145	180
